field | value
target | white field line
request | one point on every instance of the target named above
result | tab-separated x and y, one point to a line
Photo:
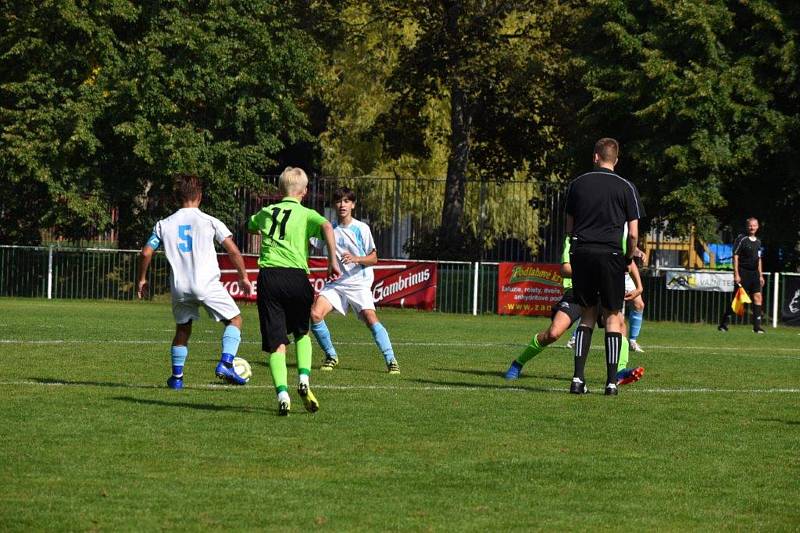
390	388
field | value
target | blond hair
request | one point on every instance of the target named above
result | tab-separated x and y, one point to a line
292	181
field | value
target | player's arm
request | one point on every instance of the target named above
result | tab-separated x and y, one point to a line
633	238
736	278
569	224
566	270
760	272
366	260
633	270
330	242
238	262
145	257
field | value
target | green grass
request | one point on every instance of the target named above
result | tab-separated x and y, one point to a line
93	440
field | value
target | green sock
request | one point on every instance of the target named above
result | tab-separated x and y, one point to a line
277	366
303	345
623	355
531	351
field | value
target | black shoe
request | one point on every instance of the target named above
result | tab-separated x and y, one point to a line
722	327
578	387
611	389
758	330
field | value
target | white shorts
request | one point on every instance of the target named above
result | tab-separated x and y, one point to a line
341	297
218	303
630	286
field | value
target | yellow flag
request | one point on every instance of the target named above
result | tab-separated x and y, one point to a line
739	300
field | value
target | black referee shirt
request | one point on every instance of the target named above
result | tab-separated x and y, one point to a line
748	252
601	202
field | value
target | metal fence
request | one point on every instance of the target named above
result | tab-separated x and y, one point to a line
504	221
462	287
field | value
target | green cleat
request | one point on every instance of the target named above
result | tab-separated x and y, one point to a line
393	367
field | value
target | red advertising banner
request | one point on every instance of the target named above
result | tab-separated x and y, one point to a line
397	283
528	288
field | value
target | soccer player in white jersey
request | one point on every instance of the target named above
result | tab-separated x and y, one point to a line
188	237
356	255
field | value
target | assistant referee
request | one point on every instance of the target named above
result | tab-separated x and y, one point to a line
599	203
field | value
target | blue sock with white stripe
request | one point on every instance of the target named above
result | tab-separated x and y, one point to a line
323	336
231	338
636	319
179	354
381	337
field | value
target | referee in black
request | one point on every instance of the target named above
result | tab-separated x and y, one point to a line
599	204
747	273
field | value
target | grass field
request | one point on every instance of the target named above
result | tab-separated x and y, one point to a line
93	440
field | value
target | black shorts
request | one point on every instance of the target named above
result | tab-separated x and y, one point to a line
598	275
751	282
567	305
284	301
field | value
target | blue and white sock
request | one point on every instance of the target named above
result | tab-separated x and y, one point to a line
381	337
637	317
323	336
179	354
231	338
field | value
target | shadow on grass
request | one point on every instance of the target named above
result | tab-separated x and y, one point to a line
780	421
500	386
109	384
188	405
500	374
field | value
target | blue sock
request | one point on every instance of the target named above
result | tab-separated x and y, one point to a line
179	354
231	338
381	337
637	317
323	336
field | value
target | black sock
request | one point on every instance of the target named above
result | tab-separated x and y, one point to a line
613	346
726	317
757	316
583	339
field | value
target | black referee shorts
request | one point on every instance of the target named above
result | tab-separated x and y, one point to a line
598	275
751	282
284	301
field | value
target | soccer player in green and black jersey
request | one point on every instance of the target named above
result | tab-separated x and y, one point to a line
284	293
747	273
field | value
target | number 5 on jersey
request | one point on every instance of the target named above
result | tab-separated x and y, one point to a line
185	236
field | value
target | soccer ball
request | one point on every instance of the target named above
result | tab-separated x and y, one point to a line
242	368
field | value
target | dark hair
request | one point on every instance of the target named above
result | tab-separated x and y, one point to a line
344	192
607	149
188	187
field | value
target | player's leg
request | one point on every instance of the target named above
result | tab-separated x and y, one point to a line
220	306
626	375
753	288
322	306
380	336
298	315
565	313
612	298
178	352
272	323
636	319
585	282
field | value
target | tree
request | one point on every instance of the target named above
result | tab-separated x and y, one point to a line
703	96
106	100
461	89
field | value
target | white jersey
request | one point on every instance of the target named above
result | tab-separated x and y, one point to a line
188	237
355	238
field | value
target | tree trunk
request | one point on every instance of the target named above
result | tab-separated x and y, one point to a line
451	234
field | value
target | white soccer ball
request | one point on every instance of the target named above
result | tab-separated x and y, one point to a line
242	368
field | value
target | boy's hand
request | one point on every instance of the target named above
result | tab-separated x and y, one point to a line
333	271
633	294
348	258
141	289
247	286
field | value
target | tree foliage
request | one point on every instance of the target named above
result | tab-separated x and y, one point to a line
703	96
102	102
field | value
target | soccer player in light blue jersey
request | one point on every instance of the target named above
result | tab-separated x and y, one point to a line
188	237
354	287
